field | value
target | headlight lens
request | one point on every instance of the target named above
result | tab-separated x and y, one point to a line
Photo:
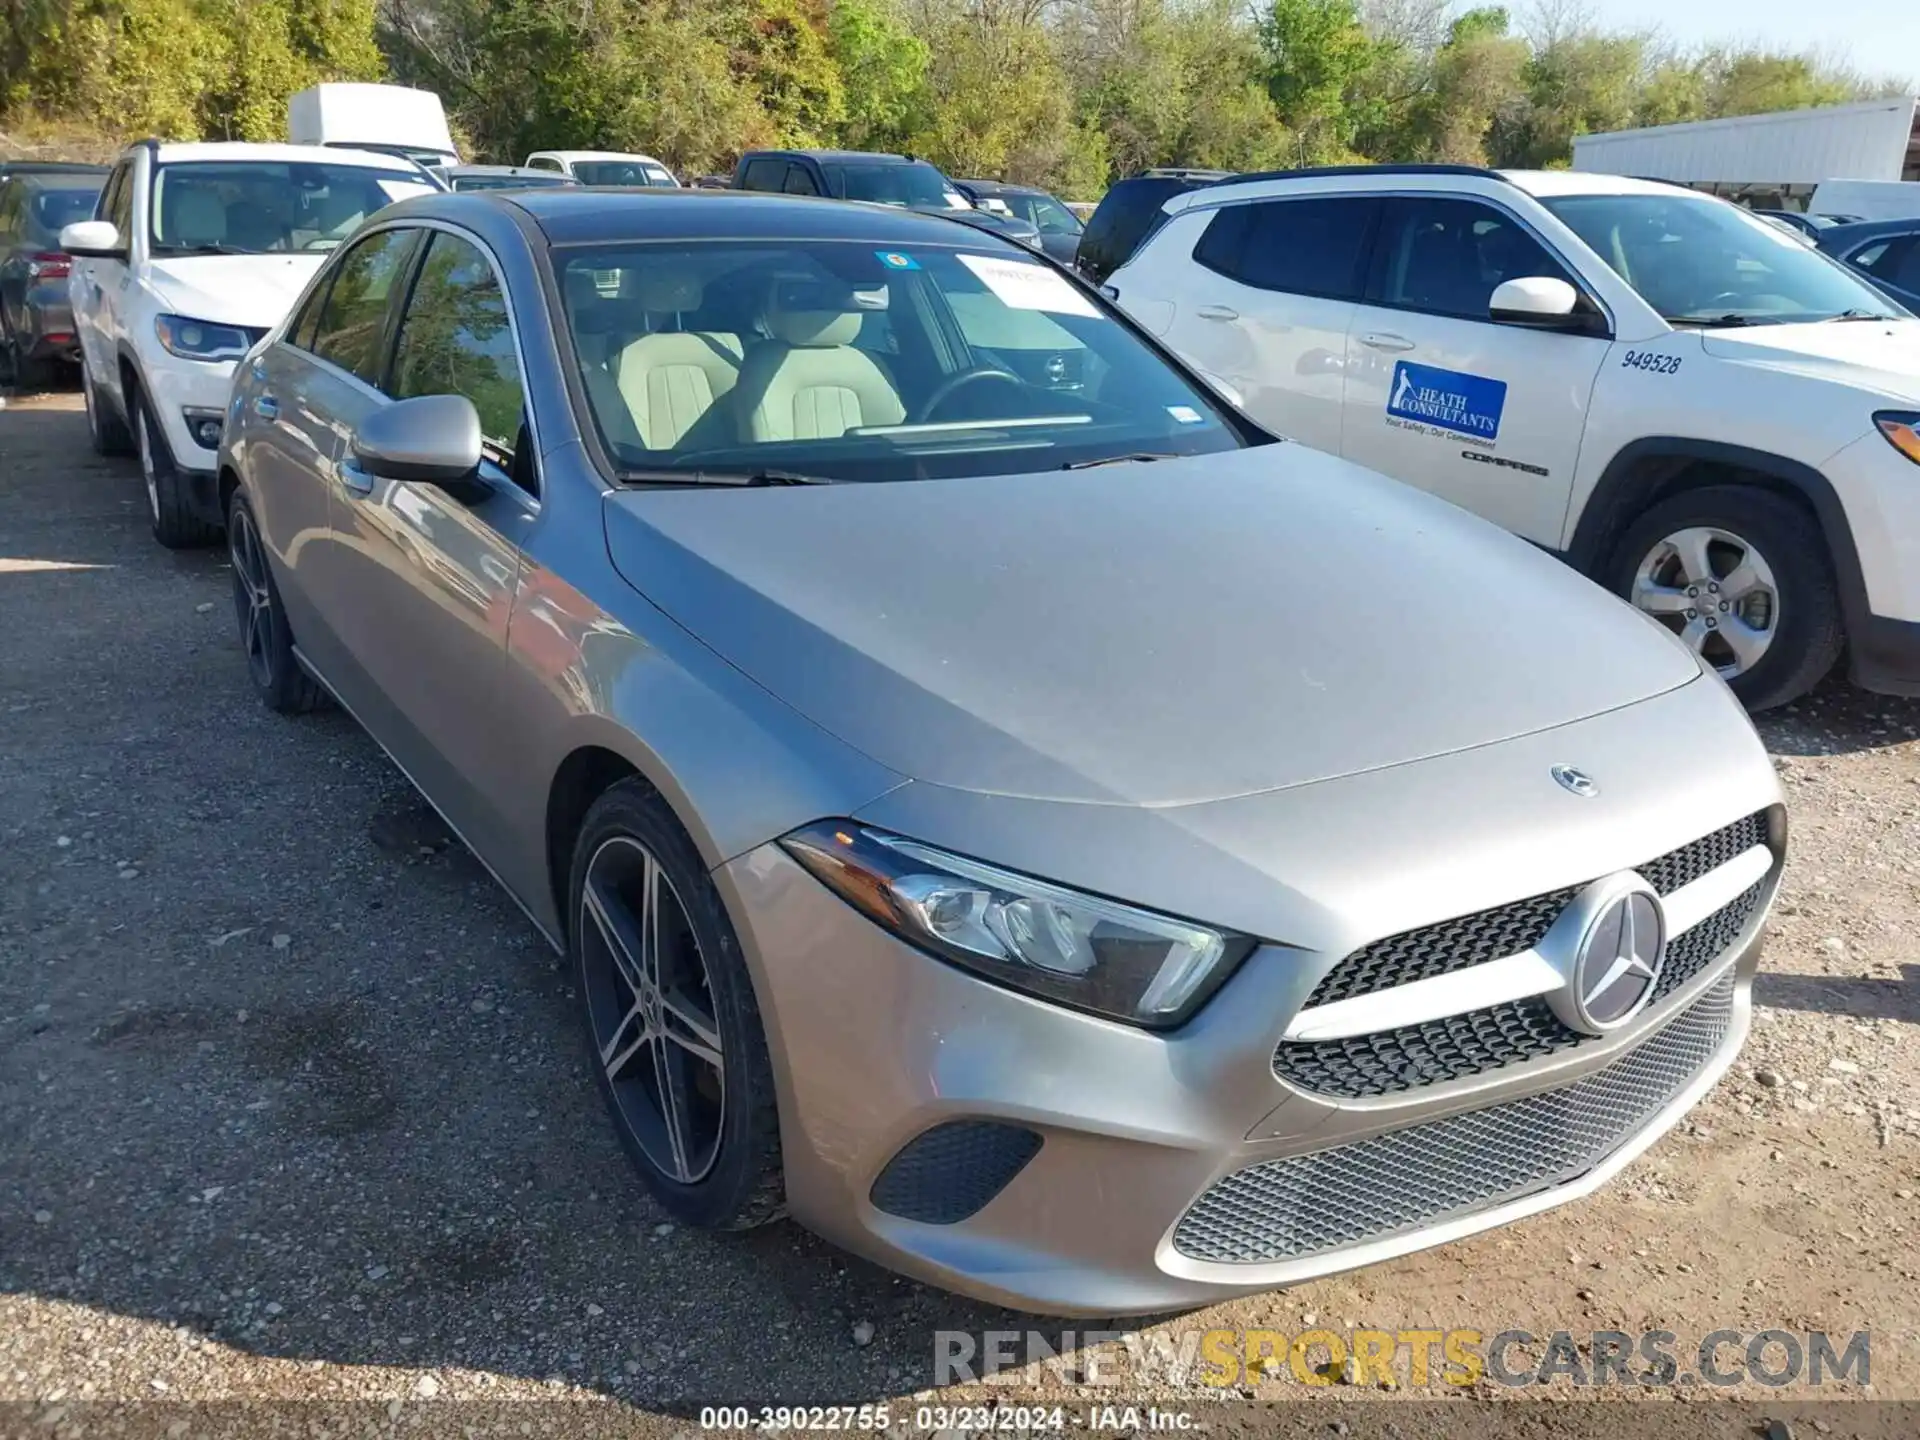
1902	431
200	339
1075	949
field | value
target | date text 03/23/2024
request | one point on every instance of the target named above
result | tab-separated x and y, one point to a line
933	1419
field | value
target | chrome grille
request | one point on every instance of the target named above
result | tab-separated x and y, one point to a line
1424	1174
1508	929
1388	1062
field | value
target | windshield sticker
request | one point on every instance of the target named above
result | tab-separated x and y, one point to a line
1186	414
1447	399
1021	286
894	260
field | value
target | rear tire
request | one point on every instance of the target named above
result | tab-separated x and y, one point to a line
106	430
275	671
174	523
709	1052
1780	602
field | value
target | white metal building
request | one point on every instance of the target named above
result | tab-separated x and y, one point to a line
1784	154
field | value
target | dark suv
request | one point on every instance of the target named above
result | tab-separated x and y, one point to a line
1127	212
877	178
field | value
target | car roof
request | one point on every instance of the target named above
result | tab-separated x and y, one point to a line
1581	182
875	157
581	215
50	167
1868	229
190	153
572	155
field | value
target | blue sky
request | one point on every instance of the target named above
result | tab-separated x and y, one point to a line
1881	37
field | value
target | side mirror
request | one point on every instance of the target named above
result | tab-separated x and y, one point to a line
434	439
1542	302
93	240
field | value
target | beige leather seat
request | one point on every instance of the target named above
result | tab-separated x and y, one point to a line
808	382
195	217
672	381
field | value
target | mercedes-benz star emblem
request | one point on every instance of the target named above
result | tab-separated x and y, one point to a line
1578	781
1618	959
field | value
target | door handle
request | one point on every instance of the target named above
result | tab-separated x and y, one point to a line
1384	341
1217	312
355	480
266	407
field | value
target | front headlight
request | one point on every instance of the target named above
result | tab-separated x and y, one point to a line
200	339
1902	431
1075	949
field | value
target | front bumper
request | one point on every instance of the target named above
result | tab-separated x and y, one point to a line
183	391
875	1044
1879	489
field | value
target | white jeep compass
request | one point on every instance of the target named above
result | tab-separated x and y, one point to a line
1704	414
194	253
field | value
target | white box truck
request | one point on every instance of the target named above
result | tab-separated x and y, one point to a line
392	119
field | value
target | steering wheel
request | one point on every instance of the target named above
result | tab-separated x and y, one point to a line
954	384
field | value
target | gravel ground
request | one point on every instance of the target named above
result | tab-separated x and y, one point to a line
294	1107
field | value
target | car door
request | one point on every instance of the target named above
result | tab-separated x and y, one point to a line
311	389
1489	416
425	576
1266	302
96	286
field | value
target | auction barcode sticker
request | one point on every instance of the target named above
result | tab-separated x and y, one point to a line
1021	286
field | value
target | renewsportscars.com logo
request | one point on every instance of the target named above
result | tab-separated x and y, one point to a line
1450	399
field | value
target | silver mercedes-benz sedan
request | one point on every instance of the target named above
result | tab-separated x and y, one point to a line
1005	810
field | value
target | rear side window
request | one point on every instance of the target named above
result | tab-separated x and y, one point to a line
1126	215
799	182
1300	247
1447	257
763	175
1894	259
352	327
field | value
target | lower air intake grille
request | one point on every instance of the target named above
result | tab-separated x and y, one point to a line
950	1172
1412	1178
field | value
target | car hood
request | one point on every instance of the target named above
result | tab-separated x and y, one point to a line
1883	356
985	220
1157	633
249	290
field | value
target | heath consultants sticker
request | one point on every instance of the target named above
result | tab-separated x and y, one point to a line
1450	399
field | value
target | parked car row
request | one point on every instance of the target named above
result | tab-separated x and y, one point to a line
1003	805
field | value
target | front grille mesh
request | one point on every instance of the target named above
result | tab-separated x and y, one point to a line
1388	1062
1419	1176
1508	929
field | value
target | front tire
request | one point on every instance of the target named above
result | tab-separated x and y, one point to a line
174	523
1742	576
277	677
107	431
673	1029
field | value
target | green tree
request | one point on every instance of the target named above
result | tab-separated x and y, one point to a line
883	66
1319	60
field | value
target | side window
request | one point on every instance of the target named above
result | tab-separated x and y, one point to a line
1907	275
763	175
799	182
543	162
300	332
352	325
1448	256
1300	247
10	192
455	339
116	201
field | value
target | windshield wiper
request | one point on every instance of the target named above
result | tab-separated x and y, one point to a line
205	250
1717	322
1855	314
1140	456
733	479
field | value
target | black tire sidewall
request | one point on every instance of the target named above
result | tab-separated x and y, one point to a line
1809	635
743	1187
291	690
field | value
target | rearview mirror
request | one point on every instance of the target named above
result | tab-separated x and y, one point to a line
93	240
1541	301
434	439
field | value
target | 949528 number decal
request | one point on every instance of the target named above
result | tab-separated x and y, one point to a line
1650	362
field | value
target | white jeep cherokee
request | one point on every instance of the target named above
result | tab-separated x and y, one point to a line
1698	411
194	253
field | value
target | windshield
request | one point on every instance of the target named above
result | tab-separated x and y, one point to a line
54	210
1046	214
833	359
620	172
508	182
251	207
914	183
1700	261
